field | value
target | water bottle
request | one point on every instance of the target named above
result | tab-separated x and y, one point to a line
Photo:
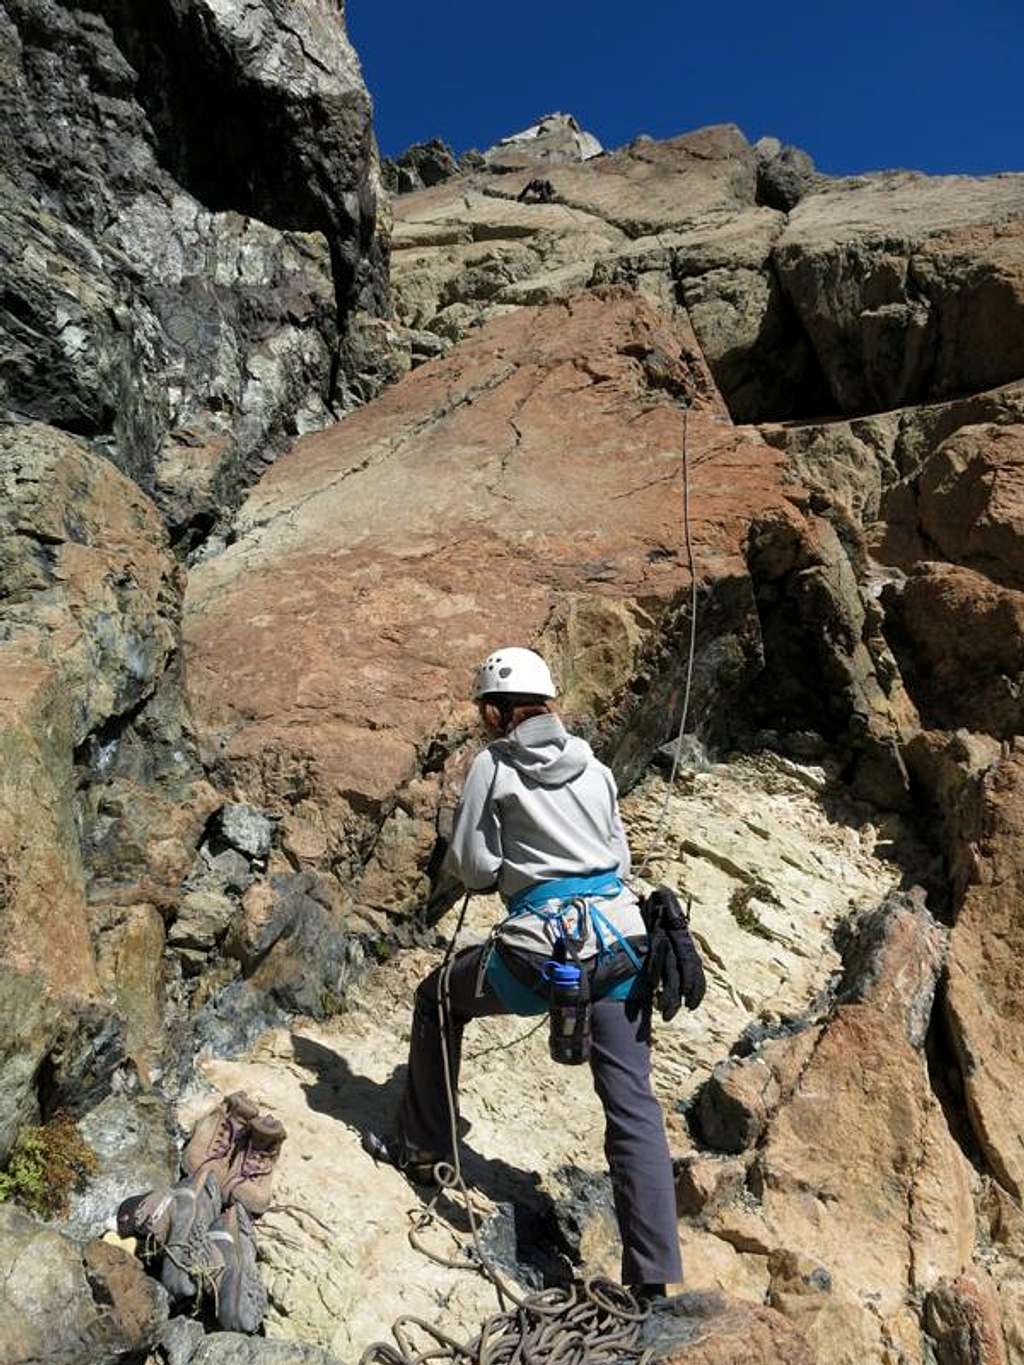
569	1013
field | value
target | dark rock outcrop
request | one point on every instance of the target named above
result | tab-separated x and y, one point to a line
188	217
420	166
785	174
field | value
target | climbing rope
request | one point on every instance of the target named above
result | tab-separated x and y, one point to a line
599	1324
659	828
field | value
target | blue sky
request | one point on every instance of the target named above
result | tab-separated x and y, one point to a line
859	84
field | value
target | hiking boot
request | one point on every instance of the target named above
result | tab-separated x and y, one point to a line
218	1135
145	1215
241	1296
251	1177
189	1258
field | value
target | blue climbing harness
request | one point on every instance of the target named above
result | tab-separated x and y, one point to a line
566	905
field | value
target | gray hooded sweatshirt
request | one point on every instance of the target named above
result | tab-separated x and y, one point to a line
536	807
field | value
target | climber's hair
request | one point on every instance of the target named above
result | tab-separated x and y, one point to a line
503	711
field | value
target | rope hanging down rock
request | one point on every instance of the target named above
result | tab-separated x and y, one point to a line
659	828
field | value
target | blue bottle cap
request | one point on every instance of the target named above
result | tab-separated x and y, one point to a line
561	973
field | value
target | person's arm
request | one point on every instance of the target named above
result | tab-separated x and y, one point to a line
619	843
474	854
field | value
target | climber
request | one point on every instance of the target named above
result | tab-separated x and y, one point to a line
538	819
537	192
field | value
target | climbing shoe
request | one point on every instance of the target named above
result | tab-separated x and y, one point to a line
189	1258
415	1163
241	1296
647	1295
218	1136
251	1175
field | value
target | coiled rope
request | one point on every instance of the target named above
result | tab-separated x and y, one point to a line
599	1324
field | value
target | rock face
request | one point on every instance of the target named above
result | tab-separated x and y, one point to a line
982	998
807	295
89	615
677	221
177	282
857	1194
391	527
910	287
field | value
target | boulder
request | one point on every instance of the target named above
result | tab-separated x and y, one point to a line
203	918
246	829
892	959
703	1181
910	287
420	166
110	1309
306	959
785	174
132	1138
713	1329
741	1094
959	639
552	140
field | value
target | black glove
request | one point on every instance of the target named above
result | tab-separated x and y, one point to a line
672	973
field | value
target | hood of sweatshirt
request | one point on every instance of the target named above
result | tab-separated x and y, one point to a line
542	750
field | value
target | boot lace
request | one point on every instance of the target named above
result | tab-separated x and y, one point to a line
223	1140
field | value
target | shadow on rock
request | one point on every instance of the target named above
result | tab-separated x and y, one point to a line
524	1237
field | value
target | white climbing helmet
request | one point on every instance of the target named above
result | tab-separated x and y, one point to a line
514	670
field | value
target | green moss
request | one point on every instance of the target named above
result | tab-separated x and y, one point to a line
382	950
46	1163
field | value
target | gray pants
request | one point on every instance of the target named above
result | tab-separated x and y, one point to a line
635	1144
